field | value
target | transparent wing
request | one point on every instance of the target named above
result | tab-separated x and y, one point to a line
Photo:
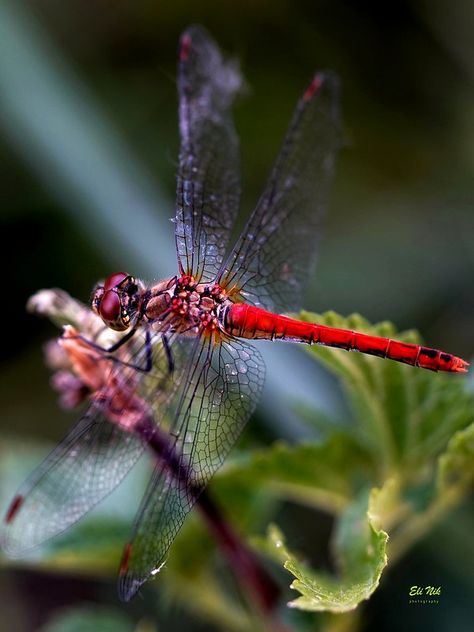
208	187
275	254
96	454
216	399
82	470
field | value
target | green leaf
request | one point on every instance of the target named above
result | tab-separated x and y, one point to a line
360	551
387	505
323	475
456	465
426	505
405	415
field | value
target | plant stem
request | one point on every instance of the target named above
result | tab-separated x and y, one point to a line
259	586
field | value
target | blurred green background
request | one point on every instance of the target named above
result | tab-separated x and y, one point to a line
88	142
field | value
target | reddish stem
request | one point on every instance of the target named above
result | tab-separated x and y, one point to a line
258	584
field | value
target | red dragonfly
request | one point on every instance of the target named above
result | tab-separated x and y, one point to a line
181	375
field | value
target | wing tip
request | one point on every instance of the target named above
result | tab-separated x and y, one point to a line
184	46
192	36
127	551
197	49
8	543
128	583
321	79
313	87
128	586
13	508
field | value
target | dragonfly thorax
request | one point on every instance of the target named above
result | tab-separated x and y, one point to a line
195	306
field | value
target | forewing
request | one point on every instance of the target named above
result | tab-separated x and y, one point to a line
208	187
275	254
82	470
211	408
94	456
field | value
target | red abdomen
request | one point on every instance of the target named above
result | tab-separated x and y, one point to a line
246	321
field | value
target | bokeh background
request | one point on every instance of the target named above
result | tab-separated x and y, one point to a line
88	142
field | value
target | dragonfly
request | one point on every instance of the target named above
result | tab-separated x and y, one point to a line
182	375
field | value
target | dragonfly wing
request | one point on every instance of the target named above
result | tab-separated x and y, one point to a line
84	468
208	187
275	254
211	408
95	455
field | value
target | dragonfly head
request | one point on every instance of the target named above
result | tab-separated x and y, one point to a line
118	300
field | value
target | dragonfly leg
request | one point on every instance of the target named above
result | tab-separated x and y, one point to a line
149	356
108	351
111	349
169	355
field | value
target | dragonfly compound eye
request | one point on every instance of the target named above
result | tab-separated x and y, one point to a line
111	311
118	298
114	280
